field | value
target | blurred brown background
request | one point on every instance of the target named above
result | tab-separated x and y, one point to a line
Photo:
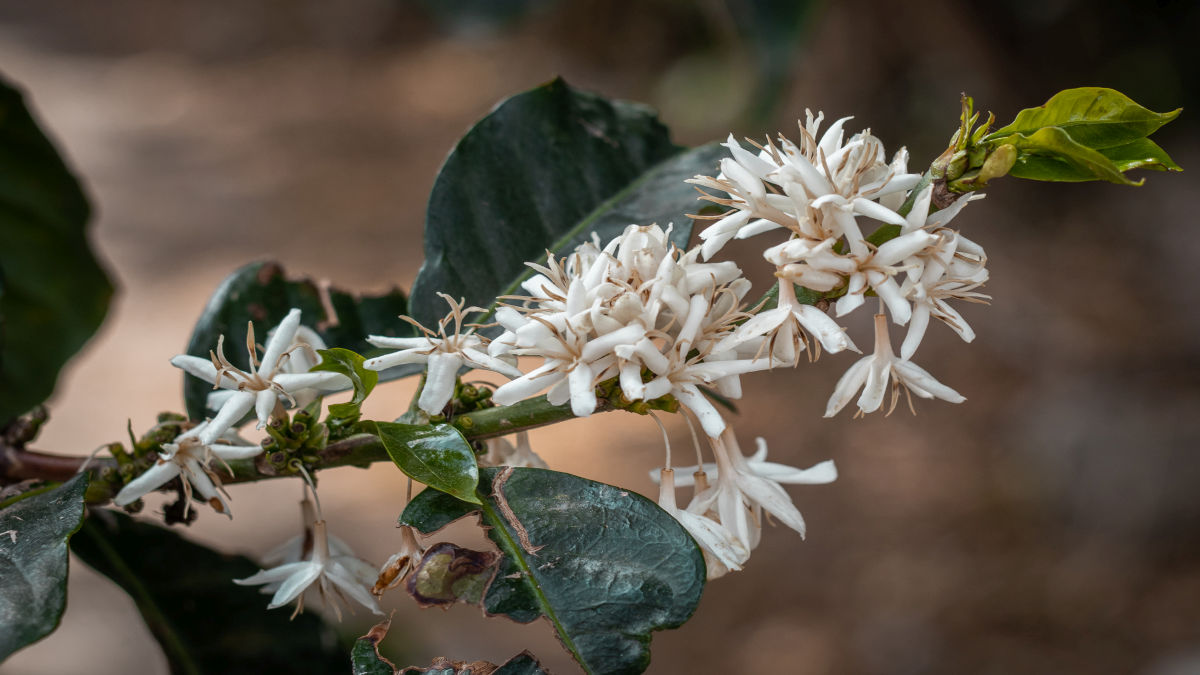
1050	524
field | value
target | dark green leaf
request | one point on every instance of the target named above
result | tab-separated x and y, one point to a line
1051	155
365	655
521	664
1094	117
203	621
55	294
33	562
606	566
260	292
436	455
542	172
350	364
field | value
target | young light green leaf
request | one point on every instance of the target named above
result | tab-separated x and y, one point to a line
542	172
350	364
604	565
1095	117
204	622
261	293
55	293
33	562
1050	154
1141	154
436	455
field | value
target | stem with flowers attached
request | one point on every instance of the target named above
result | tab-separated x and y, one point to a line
19	463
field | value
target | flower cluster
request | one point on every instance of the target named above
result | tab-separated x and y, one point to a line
815	192
638	319
639	310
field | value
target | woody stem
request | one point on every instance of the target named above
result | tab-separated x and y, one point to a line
361	450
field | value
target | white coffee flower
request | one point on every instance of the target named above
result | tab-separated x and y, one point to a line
345	574
740	493
786	325
500	452
445	353
299	547
302	356
951	268
266	387
877	270
818	474
722	551
189	457
872	374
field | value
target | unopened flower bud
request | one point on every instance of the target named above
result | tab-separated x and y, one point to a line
998	164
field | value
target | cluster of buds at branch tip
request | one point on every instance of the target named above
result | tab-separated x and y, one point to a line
293	443
967	164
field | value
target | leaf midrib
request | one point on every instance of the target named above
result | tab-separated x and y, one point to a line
501	528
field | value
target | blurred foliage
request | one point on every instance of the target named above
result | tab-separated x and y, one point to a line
204	623
53	291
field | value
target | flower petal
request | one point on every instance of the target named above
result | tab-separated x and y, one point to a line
230	414
151	479
201	368
281	338
439	383
344	579
291	588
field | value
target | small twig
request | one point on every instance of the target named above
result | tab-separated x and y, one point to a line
21	464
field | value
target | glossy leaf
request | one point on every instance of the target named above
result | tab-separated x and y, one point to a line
1094	117
1142	154
350	364
33	561
55	293
203	621
1051	155
542	172
262	294
436	455
604	565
